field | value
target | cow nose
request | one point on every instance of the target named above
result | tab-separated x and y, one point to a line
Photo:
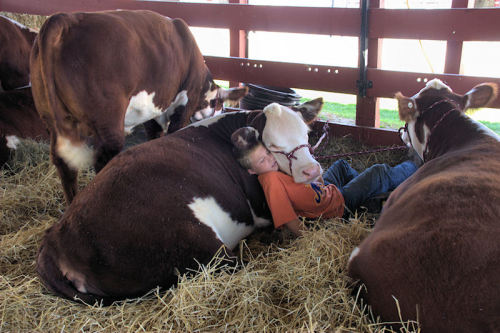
312	172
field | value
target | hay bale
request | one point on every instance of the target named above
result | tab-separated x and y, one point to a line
283	284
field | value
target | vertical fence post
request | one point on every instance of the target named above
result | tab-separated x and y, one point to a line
454	48
367	108
237	42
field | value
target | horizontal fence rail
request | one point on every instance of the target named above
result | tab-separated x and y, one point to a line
454	25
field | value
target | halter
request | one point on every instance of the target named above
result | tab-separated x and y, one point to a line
291	155
405	128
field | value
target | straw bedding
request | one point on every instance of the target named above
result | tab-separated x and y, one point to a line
283	284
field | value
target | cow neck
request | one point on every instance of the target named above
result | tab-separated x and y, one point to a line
456	132
225	127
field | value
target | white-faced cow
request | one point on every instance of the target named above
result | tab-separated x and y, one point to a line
161	205
436	246
15	46
18	119
97	75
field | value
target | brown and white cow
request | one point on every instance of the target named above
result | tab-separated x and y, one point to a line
97	75
435	250
167	204
18	119
15	47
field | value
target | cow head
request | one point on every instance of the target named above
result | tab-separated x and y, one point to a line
214	98
286	136
424	111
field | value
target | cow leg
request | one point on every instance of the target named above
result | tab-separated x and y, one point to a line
178	119
66	173
111	143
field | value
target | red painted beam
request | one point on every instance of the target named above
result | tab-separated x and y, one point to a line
387	83
437	24
312	20
282	74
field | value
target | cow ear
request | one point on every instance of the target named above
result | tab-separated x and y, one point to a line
233	94
481	95
406	106
310	109
245	138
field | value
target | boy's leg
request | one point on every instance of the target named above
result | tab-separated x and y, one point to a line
339	174
377	179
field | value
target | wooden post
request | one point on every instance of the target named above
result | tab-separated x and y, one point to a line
367	108
237	42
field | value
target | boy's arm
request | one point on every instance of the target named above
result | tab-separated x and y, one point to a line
296	227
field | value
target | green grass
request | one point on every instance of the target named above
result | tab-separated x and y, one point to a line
388	118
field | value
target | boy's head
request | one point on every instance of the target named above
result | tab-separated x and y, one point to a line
251	153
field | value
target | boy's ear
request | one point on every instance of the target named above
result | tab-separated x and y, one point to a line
250	171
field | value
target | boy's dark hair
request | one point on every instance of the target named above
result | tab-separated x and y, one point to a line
245	140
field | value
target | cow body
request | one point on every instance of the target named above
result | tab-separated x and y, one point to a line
159	206
18	119
97	75
16	41
435	247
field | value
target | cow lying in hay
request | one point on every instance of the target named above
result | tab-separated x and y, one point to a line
97	75
159	206
18	119
16	41
435	248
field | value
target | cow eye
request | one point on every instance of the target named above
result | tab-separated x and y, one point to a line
212	103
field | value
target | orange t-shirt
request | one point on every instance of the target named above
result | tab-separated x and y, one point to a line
288	199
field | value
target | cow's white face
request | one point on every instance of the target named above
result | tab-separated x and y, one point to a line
214	98
285	130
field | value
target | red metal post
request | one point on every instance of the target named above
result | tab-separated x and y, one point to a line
237	42
367	108
454	48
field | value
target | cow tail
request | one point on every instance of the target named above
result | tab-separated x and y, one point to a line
56	282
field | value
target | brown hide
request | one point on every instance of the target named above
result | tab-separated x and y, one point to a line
161	206
18	118
435	247
15	47
131	228
85	68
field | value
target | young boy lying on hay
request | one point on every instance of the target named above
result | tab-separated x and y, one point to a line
339	186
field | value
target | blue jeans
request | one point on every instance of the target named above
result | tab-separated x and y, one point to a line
357	188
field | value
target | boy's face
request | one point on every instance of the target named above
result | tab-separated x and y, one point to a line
262	161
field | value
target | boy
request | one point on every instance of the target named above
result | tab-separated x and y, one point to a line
342	186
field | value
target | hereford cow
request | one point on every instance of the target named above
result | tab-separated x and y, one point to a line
18	119
15	46
97	75
434	254
167	204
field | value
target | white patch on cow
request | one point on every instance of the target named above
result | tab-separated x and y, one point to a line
209	121
259	222
284	131
76	156
208	111
139	110
435	84
164	119
354	253
12	141
418	146
208	212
